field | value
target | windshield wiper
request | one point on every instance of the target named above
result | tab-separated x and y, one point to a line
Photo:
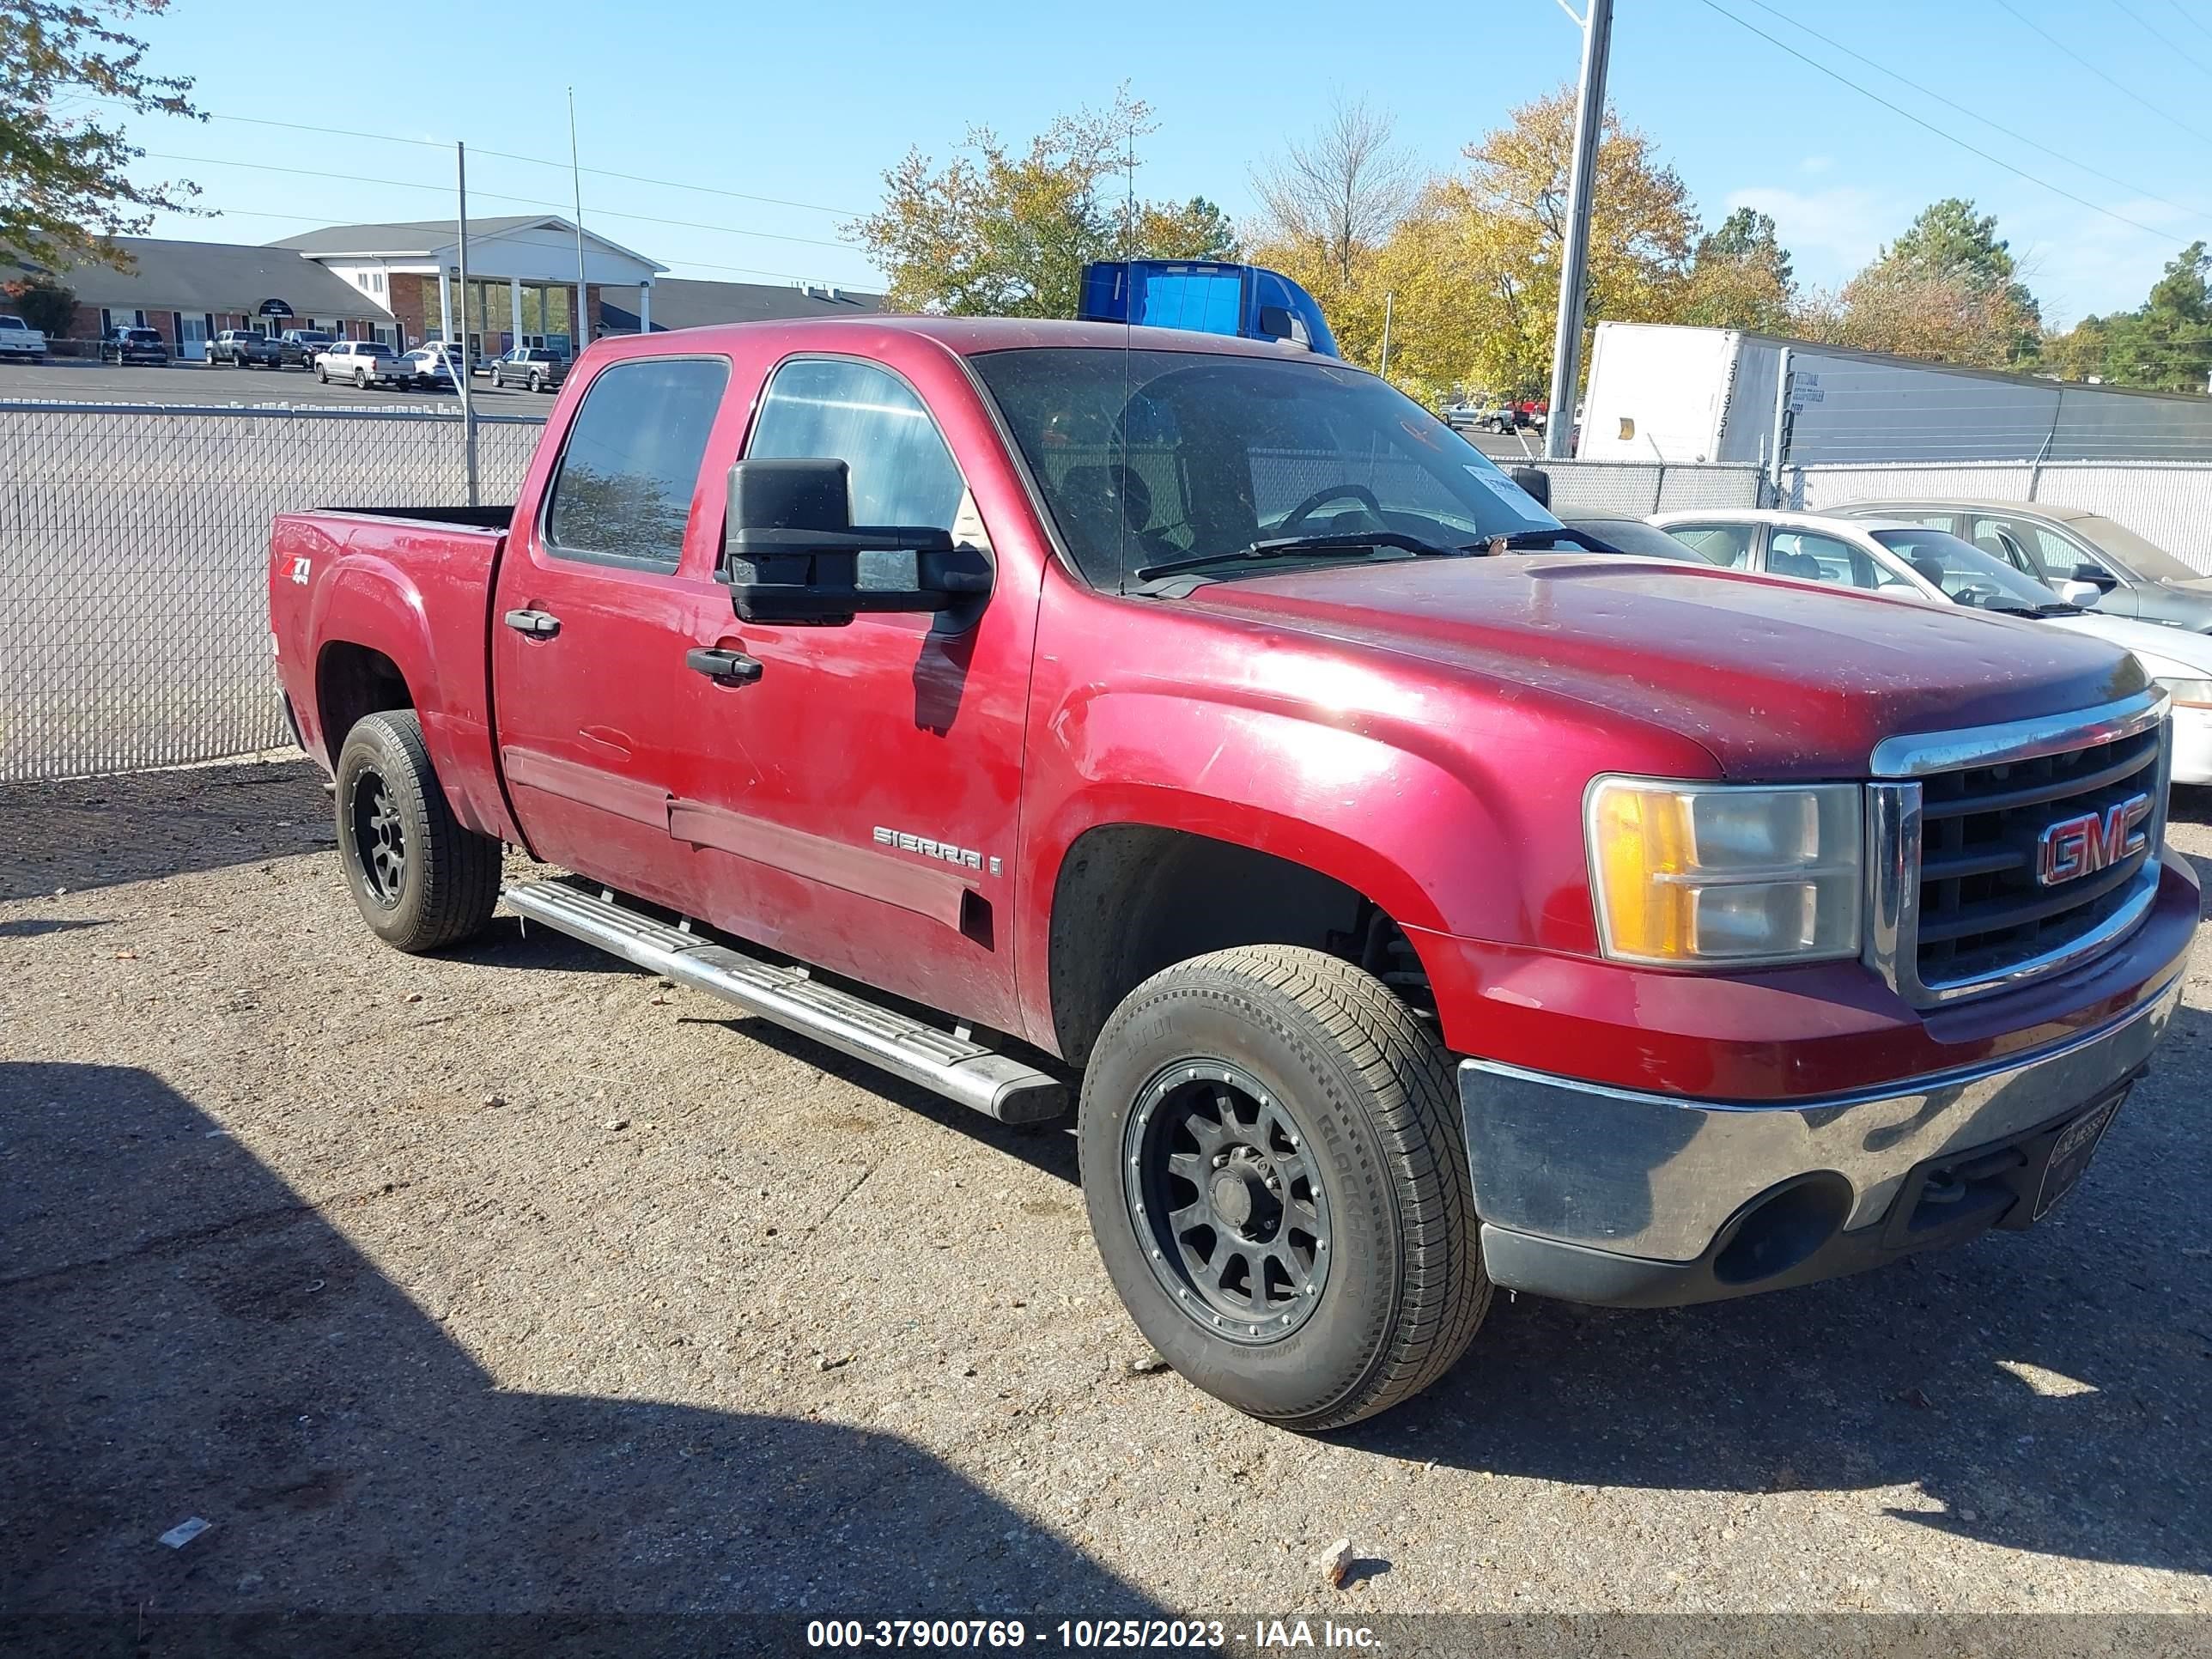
1355	541
2062	609
1525	541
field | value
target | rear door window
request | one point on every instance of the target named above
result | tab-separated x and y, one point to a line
1727	545
622	492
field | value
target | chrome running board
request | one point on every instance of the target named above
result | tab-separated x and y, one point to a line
993	1084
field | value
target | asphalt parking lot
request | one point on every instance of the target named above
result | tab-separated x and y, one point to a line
222	383
515	1281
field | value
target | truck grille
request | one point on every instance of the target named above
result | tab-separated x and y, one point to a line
1983	914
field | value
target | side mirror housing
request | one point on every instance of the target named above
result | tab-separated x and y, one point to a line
2080	592
1535	482
791	553
2096	576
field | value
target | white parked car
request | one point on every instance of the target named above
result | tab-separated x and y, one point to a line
1906	560
21	343
364	362
431	365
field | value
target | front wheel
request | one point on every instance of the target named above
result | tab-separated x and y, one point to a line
322	375
420	881
1276	1177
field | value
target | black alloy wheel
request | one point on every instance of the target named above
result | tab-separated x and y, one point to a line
381	836
1234	1216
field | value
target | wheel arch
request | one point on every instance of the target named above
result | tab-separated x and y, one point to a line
1130	897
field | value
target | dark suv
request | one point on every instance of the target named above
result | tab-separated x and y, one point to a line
133	345
298	346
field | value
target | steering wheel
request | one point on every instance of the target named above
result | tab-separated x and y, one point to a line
1304	510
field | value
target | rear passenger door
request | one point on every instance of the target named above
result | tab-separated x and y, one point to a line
599	596
1727	545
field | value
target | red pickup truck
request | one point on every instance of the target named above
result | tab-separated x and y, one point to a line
1423	898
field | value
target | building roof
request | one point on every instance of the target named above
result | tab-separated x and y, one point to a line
422	239
679	302
210	277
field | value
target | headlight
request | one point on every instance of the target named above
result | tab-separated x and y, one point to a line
1700	872
2188	693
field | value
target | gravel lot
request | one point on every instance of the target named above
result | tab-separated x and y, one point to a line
514	1281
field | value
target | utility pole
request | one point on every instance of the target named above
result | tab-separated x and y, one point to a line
1388	297
581	326
1574	262
460	369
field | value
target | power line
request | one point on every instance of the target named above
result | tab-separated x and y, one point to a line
2066	51
540	162
2157	34
2187	19
1931	93
496	196
1898	109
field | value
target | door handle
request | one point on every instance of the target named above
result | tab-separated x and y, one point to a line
538	624
724	667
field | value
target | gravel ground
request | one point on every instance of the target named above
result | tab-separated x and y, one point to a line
516	1281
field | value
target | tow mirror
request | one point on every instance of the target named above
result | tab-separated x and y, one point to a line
1535	481
792	554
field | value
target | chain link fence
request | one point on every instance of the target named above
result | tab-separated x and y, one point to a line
134	555
1633	489
2166	502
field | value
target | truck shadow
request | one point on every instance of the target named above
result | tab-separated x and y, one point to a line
2043	1390
186	1336
82	833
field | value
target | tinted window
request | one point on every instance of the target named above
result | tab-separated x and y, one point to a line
1725	545
1153	457
1967	574
625	486
900	472
1633	536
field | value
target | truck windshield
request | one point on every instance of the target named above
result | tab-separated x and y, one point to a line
1154	458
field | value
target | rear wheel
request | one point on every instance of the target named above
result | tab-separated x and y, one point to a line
322	375
361	379
420	881
537	382
1275	1174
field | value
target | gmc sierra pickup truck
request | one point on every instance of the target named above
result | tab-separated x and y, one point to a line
1412	898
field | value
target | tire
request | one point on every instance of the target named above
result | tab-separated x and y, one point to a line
497	383
322	375
437	883
537	383
1320	1057
361	379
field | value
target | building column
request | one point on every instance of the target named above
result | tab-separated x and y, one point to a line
645	306
445	303
514	297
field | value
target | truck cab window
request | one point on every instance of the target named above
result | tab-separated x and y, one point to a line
823	408
622	492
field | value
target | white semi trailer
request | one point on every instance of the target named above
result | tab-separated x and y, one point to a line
1658	392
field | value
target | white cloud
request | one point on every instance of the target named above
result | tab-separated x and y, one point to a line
1830	233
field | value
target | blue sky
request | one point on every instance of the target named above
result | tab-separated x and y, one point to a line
810	104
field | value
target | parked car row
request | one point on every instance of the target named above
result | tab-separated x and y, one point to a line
361	363
1913	552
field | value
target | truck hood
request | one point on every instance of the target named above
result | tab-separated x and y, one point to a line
1774	678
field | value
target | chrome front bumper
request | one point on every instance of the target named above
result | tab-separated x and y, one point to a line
1609	1194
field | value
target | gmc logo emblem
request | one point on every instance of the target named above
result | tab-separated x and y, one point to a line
2082	847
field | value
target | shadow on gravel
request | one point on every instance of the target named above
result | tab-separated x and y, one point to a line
185	1336
2046	1387
98	832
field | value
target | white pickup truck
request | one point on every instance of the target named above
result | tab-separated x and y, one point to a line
18	339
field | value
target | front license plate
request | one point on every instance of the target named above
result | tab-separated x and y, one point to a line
2071	1153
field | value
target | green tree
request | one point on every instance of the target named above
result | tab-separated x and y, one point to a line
2166	343
1741	277
64	181
43	303
1004	231
1947	290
